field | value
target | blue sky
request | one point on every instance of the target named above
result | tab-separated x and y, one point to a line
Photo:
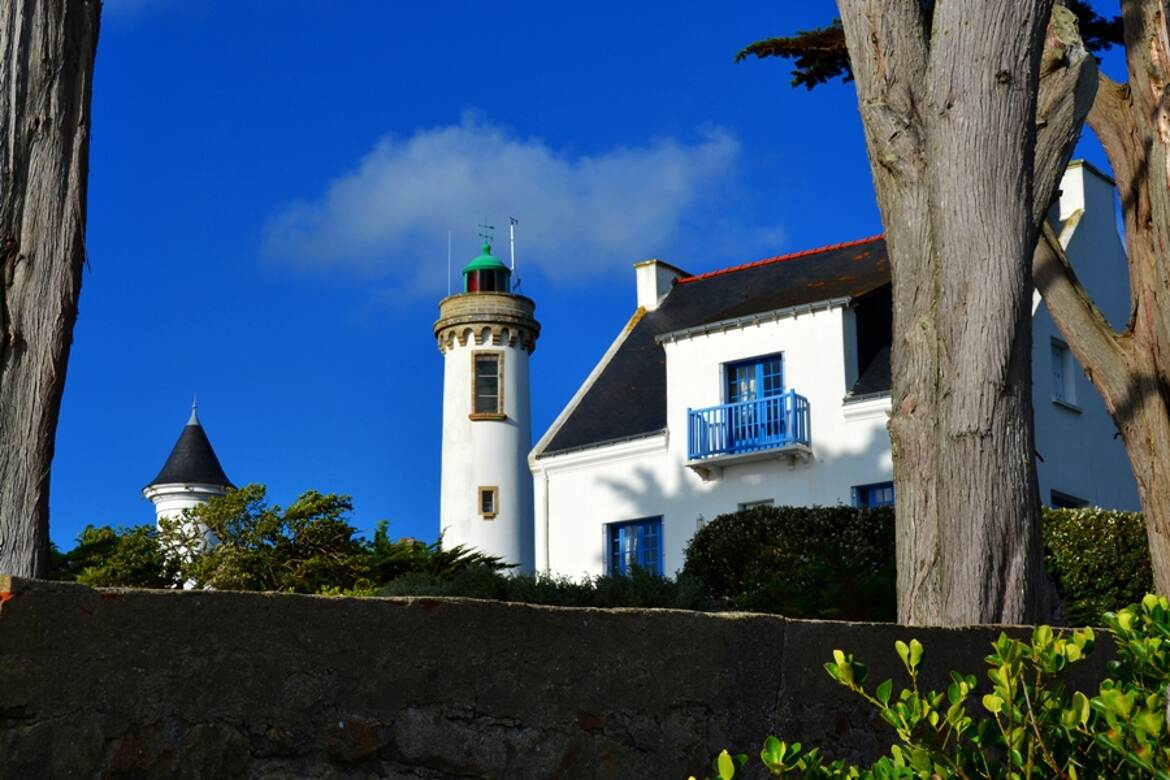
272	183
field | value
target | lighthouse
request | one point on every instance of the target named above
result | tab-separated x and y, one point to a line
486	334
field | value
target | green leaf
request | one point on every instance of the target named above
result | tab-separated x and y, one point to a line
993	703
725	765
773	752
915	654
1080	706
903	652
884	690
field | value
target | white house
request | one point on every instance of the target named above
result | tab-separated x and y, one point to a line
769	383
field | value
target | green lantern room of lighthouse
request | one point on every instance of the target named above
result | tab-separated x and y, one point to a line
486	273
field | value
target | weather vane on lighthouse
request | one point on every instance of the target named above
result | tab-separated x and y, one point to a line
487	233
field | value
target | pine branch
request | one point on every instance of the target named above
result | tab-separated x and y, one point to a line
819	55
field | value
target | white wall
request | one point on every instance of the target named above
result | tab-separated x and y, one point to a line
648	477
485	453
170	500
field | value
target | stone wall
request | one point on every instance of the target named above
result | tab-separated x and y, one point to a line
126	683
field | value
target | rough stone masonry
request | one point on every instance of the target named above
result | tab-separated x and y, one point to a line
132	683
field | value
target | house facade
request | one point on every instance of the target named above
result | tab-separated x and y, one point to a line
768	383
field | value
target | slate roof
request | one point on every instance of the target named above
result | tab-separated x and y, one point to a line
628	398
875	378
192	461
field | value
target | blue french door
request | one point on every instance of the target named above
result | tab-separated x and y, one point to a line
760	380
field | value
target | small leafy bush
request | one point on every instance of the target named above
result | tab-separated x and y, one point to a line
805	562
106	556
1098	557
1025	724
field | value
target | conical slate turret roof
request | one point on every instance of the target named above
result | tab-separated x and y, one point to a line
192	461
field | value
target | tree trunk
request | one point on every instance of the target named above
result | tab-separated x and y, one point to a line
1131	369
47	49
950	117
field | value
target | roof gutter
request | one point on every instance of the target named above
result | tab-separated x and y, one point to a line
752	319
603	443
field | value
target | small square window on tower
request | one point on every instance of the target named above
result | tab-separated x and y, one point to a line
489	502
487	386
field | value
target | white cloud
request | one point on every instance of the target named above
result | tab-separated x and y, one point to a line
579	215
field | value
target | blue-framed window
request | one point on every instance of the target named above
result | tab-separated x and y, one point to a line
877	494
761	377
635	543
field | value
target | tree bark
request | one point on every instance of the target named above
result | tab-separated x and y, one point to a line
47	52
1131	368
950	116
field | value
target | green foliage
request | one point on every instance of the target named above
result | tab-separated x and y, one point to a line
820	54
788	560
303	549
310	547
391	559
640	589
1099	558
1025	723
116	557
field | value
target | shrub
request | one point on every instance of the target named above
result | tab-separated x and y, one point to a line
1025	724
310	547
116	557
839	562
819	562
640	589
1098	557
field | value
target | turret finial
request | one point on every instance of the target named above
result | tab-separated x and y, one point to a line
194	411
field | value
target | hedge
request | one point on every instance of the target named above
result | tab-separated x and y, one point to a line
838	562
1100	559
821	562
640	589
807	562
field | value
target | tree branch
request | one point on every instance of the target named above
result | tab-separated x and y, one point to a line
1068	83
1111	118
1089	335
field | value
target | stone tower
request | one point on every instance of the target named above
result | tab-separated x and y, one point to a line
190	477
486	334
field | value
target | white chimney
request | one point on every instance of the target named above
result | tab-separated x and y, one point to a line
654	278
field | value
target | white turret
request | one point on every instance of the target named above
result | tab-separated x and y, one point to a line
486	334
190	477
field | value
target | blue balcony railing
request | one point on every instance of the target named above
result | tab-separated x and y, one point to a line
748	426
